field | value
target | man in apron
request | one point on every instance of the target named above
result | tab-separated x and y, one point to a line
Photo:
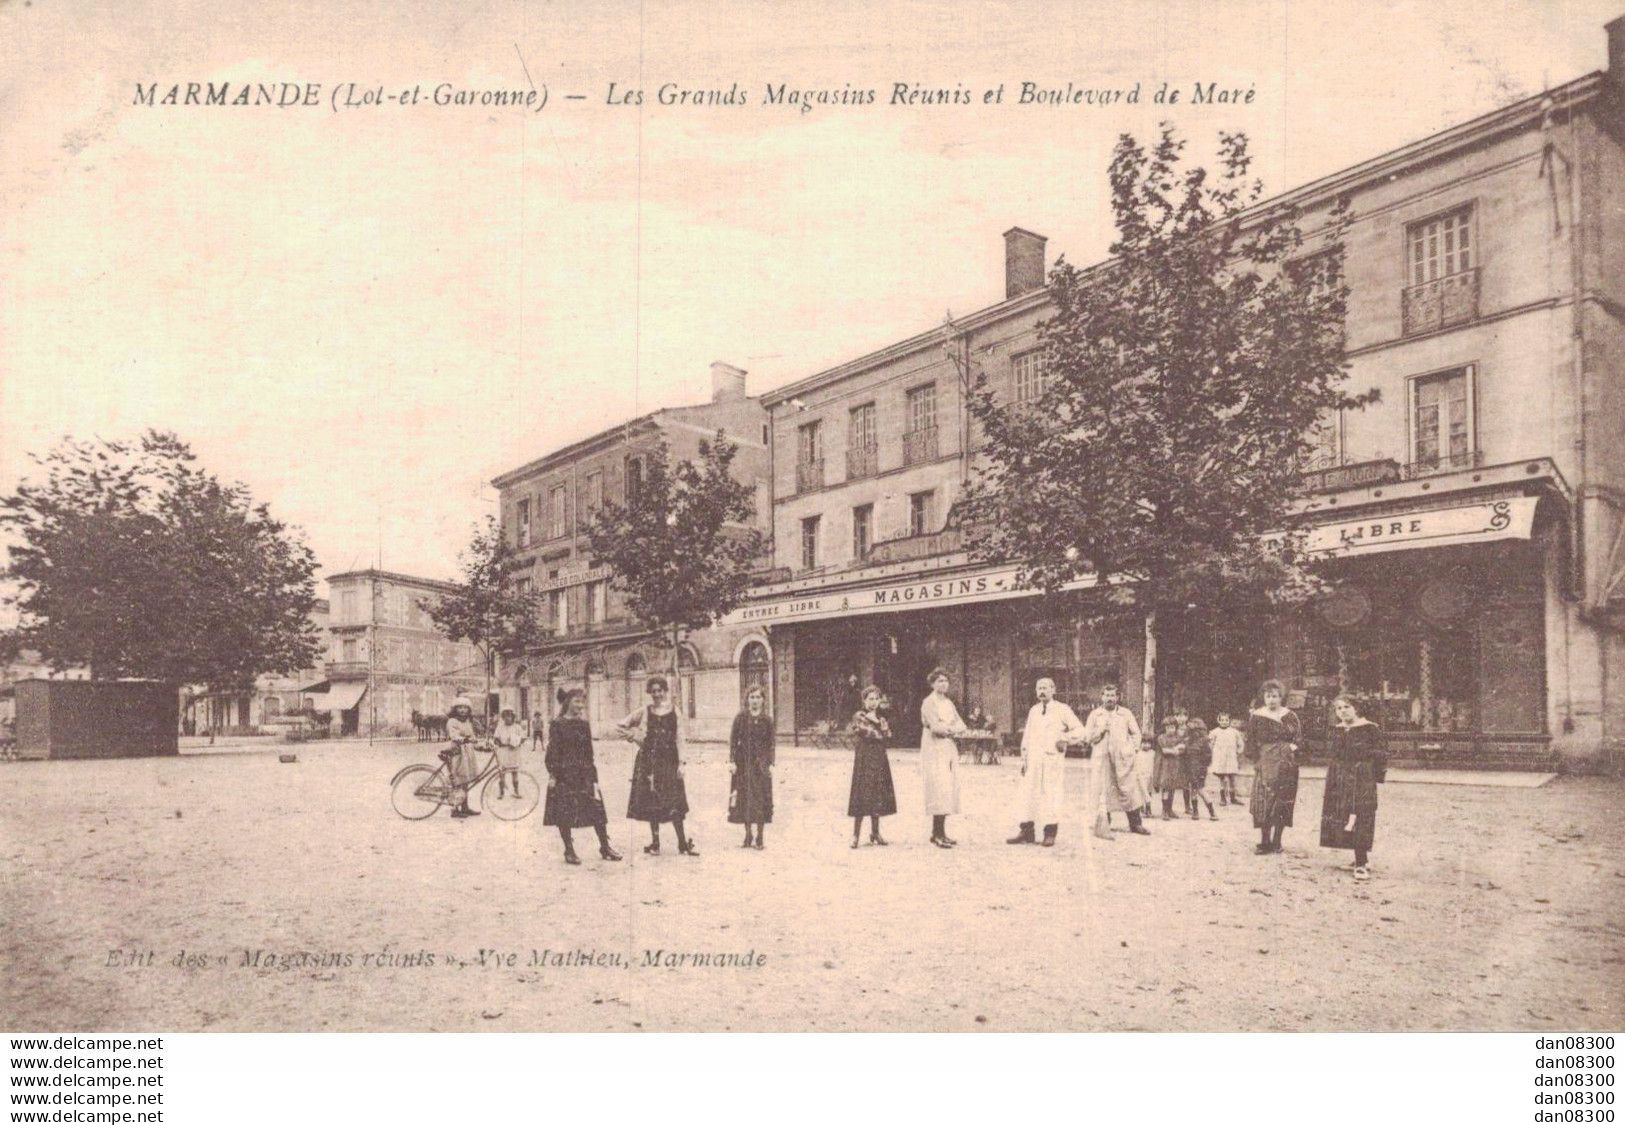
1050	725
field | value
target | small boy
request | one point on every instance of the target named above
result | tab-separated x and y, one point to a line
1170	766
1227	743
1198	757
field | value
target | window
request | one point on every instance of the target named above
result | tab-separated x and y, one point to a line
347	605
810	443
863	530
522	585
351	651
1030	374
1442	420
919	513
922	409
594	487
597	602
860	433
634	479
558	610
556	509
1440	247
809	543
523	521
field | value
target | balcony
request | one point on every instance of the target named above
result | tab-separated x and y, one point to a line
1337	478
347	669
862	461
1444	463
1440	303
920	446
810	475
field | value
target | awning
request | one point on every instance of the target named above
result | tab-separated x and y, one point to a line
343	695
1464	524
318	688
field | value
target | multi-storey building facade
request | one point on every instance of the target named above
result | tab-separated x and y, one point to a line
597	645
385	659
1473	515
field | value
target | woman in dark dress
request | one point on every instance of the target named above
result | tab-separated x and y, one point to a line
658	793
573	797
750	750
1273	732
1348	812
872	793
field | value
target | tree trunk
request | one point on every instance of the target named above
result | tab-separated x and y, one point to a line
676	665
1148	678
485	704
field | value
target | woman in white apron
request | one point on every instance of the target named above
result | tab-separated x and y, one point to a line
939	756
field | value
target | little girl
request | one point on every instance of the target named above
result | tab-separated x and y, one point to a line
1227	743
1170	768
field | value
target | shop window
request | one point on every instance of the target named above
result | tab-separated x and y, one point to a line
1442	422
755	671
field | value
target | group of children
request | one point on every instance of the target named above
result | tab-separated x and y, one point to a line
1186	755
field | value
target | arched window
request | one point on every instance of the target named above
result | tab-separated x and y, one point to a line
596	701
755	670
687	665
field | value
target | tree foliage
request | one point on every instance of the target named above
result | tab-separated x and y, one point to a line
1185	377
130	560
485	609
677	548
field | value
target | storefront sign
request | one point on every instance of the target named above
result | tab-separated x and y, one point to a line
1512	518
596	574
926	593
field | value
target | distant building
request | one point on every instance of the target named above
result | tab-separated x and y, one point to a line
597	645
268	707
28	665
385	659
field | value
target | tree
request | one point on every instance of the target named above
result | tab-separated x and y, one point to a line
1185	376
486	609
677	548
129	560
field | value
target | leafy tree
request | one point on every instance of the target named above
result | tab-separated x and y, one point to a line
486	610
676	548
1186	375
129	560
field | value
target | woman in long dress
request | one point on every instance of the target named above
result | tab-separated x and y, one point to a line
1348	811
939	756
1274	733
750	754
573	797
872	794
658	794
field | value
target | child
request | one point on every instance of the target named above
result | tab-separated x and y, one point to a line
1198	756
508	737
1170	768
1226	743
872	794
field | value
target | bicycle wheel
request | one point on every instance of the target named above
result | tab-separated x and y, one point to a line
419	791
521	793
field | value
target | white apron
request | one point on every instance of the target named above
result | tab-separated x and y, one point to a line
939	754
1042	793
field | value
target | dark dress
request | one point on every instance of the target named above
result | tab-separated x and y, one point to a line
1359	762
750	748
872	791
658	793
1168	774
573	800
1275	780
1198	755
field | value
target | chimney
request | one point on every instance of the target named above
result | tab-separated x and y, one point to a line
727	382
1023	262
1616	53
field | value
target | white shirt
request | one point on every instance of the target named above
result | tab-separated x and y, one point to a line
1047	723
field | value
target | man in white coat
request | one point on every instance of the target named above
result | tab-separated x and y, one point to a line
1115	784
1050	724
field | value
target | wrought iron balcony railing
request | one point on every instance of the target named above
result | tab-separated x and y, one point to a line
920	446
1336	478
1444	463
862	461
1440	303
810	475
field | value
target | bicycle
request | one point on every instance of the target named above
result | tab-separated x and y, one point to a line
418	791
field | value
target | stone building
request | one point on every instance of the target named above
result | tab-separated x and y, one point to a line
1473	514
385	659
597	645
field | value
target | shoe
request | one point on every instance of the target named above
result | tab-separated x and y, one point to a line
1361	874
687	849
651	849
758	845
470	812
1166	815
459	814
1140	830
855	842
748	842
572	859
609	853
1262	849
1024	835
949	840
1211	815
1049	835
941	841
1195	815
878	840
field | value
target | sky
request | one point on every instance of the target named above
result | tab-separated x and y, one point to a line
366	313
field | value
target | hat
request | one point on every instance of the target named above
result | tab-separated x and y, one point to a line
462	701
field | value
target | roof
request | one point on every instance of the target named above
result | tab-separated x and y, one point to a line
1436	146
394	576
